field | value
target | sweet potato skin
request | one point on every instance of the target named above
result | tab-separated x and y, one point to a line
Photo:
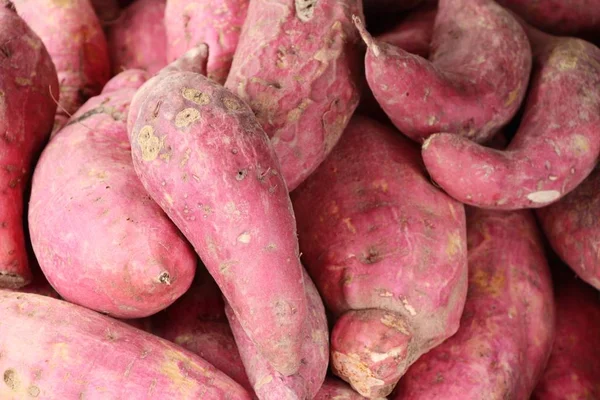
138	38
116	251
298	69
555	148
375	236
334	389
27	84
203	157
473	83
44	339
507	328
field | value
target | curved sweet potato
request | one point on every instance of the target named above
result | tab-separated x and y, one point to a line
507	327
473	83
52	349
555	148
334	389
387	251
297	67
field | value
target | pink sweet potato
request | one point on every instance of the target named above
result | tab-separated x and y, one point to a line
203	157
473	83
297	67
507	327
217	23
573	371
138	38
387	251
74	38
334	389
55	350
28	84
269	384
572	225
116	251
555	148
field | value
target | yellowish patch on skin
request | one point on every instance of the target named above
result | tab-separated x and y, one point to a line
195	96
263	381
396	322
512	312
63	3
150	144
432	120
186	117
492	285
454	244
348	223
333	208
232	104
231	209
408	307
512	96
567	62
544	196
580	144
23	81
185	338
32	42
176	368
94	173
381	184
357	372
244	238
169	199
295	114
60	351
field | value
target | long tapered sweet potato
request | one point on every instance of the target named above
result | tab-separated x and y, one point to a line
28	84
55	350
507	327
203	157
387	251
473	83
297	67
557	144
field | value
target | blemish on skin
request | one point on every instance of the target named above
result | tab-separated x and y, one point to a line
385	293
244	238
409	308
567	63
149	143
164	278
432	120
33	391
271	247
381	184
11	379
231	104
241	174
552	178
544	196
196	96
169	199
23	81
454	244
580	144
186	117
263	381
395	322
512	96
348	223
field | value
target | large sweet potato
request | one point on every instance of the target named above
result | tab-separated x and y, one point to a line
55	350
203	157
297	66
507	327
557	144
28	84
387	251
473	83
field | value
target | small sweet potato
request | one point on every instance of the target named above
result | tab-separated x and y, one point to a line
334	389
297	66
203	157
387	251
507	327
473	83
52	349
555	148
138	38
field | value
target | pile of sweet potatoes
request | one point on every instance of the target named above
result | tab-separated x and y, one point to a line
300	199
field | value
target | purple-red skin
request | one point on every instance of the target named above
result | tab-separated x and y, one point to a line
269	384
573	371
217	23
473	83
131	78
203	157
507	327
107	11
52	349
572	226
297	66
116	251
138	38
335	389
387	251
28	84
555	148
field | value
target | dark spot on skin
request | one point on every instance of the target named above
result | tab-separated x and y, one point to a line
275	85
86	115
407	94
157	109
108	187
234	151
371	256
3	224
5	51
10	379
241	174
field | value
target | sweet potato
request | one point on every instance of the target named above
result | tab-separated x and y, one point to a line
334	389
297	66
107	11
473	83
28	83
572	227
387	251
507	327
555	148
573	371
74	38
138	38
268	384
203	157
116	251
55	350
217	23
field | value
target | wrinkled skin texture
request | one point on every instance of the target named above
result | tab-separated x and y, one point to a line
572	227
573	371
555	148
298	69
138	39
217	23
27	84
334	389
268	384
507	327
116	251
387	251
473	83
202	156
44	340
74	38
